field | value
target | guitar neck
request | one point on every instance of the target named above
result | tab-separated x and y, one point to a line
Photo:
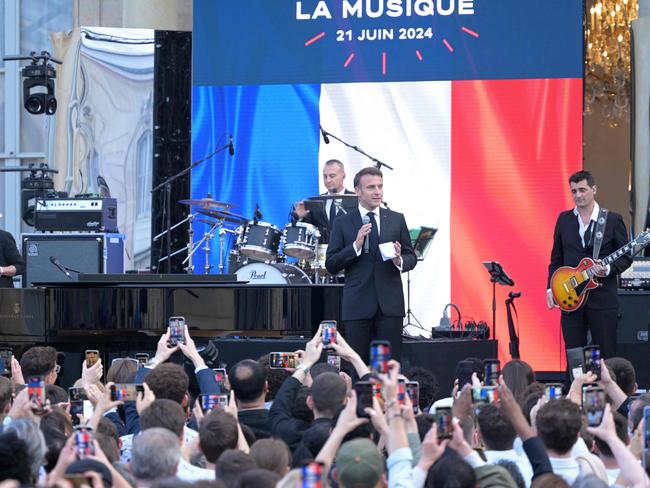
618	253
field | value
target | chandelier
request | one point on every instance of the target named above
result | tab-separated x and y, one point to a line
607	61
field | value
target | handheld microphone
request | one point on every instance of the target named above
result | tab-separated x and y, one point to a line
366	242
231	147
326	139
58	264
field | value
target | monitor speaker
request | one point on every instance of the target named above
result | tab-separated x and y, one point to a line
632	333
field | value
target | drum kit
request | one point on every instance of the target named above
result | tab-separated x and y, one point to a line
261	249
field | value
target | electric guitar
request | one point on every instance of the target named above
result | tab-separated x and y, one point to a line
570	286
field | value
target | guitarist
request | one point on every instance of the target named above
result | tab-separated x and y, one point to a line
574	238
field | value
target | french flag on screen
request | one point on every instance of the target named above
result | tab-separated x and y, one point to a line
484	158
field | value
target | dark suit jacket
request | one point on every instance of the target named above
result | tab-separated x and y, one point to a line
568	251
370	283
321	220
9	255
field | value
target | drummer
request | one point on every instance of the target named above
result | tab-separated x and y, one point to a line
333	179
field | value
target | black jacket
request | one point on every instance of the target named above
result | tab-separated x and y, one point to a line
283	425
568	251
9	255
321	220
370	282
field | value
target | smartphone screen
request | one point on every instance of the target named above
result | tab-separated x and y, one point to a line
142	358
413	391
36	391
364	397
311	475
379	356
592	360
443	417
484	395
83	441
76	397
401	391
220	378
282	360
328	328
646	431
465	370
492	371
211	402
125	392
92	356
593	404
553	391
176	330
376	391
6	354
334	360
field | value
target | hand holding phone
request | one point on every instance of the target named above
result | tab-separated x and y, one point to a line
413	391
328	330
553	391
211	402
311	475
36	392
92	356
592	360
83	441
365	395
176	331
492	371
484	395
593	404
443	418
125	392
282	360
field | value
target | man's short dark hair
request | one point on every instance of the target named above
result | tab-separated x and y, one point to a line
15	463
451	470
164	413
620	424
55	394
428	385
624	372
109	447
328	392
370	170
257	478
558	424
579	176
168	381
217	433
247	379
271	454
274	377
231	464
497	432
38	361
477	367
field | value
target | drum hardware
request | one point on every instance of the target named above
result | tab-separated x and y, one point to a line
222	237
207	202
224	215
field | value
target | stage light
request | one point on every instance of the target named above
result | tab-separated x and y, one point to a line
38	89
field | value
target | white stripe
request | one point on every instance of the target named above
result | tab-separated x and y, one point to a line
407	126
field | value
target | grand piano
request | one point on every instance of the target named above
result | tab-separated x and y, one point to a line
131	305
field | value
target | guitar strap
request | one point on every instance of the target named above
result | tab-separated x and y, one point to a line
600	231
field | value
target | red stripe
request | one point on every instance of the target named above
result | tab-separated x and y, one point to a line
514	145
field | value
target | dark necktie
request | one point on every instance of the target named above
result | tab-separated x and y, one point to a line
332	211
587	237
374	233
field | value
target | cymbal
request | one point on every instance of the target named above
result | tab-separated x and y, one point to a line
223	215
207	202
344	196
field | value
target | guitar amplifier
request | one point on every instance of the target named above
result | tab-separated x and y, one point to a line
637	276
76	214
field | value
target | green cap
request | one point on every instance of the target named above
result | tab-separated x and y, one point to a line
359	464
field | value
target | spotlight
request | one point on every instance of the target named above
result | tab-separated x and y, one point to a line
38	83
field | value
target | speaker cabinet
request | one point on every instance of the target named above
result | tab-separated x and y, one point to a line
632	332
81	253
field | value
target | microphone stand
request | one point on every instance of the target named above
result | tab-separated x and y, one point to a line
378	164
167	196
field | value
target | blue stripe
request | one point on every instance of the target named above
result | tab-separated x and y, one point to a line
275	130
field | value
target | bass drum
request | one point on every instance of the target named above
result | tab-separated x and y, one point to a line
272	274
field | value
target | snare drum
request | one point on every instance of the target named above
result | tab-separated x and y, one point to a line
260	241
300	240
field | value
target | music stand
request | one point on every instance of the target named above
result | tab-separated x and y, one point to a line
421	239
497	275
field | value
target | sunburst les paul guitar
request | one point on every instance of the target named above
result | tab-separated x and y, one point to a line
570	286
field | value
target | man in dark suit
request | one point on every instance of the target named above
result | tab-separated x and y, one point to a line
573	240
323	219
373	300
11	262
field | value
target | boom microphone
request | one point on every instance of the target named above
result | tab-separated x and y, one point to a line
231	147
58	264
326	139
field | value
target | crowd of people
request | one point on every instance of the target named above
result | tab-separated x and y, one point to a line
305	426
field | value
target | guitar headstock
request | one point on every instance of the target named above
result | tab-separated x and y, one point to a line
643	239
